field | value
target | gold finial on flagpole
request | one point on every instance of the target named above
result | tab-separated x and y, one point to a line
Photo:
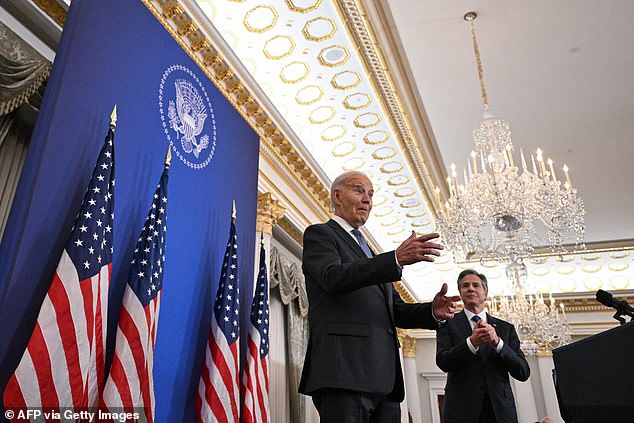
113	117
233	214
168	159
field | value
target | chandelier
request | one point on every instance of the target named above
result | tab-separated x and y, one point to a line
500	211
541	327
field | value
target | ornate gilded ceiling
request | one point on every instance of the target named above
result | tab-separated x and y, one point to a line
311	78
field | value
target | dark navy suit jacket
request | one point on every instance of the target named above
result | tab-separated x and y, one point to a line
353	314
470	377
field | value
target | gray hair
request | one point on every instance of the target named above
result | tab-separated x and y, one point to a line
340	182
466	272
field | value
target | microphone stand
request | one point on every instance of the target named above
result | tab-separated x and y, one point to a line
620	312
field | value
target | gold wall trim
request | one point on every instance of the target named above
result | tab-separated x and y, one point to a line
291	230
54	10
404	292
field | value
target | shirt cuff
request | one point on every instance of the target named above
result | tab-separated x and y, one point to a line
400	268
500	346
474	350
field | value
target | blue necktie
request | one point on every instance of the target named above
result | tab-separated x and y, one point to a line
364	245
475	319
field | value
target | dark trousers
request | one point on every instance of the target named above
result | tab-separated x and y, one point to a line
342	406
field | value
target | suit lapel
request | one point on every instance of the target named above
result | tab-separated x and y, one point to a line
347	238
463	323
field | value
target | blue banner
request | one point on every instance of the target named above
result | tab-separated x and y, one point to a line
116	52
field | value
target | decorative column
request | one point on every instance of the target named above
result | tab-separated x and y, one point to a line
412	400
269	212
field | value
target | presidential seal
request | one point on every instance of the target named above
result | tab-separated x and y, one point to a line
187	116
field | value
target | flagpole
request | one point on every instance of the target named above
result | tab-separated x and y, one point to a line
113	118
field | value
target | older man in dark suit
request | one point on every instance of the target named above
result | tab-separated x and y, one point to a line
352	368
478	352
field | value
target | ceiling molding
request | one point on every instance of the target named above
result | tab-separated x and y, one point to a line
392	78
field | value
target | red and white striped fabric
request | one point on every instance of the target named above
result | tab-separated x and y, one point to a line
255	381
130	384
218	390
63	364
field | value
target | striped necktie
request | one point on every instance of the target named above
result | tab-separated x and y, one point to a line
364	245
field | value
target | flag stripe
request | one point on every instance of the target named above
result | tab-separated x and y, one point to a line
62	365
130	383
255	380
219	385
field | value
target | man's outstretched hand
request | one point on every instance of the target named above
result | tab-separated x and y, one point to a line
443	306
418	248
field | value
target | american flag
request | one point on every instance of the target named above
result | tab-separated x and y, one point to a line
218	390
256	373
63	364
130	384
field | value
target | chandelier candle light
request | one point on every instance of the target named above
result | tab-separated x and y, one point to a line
500	211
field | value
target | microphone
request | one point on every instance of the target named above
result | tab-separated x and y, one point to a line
608	300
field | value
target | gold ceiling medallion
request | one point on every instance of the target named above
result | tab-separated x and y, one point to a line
354	164
319	29
404	192
591	268
309	95
421	223
619	254
395	231
356	101
567	285
344	149
294	72
379	200
592	283
591	257
384	153
398	180
567	258
410	203
321	114
333	133
391	221
416	213
260	19
345	80
383	211
565	270
618	267
619	282
333	56
540	271
376	137
278	47
367	120
302	6
393	167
